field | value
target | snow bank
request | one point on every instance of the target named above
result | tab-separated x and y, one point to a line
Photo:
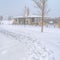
29	43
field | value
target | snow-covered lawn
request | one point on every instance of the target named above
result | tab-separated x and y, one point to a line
19	42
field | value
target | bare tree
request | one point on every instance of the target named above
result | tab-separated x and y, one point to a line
41	4
27	12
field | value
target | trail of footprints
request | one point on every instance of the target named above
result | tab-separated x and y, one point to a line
35	50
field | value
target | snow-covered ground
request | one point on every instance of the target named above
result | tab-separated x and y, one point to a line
19	42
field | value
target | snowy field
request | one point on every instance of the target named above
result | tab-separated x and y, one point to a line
18	42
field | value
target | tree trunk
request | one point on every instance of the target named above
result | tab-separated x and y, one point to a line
42	26
42	23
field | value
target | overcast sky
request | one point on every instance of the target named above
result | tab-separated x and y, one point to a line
17	7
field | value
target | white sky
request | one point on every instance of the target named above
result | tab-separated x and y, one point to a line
16	7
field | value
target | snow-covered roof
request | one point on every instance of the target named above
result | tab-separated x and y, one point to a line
26	16
18	16
30	16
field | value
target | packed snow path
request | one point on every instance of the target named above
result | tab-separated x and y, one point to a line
35	48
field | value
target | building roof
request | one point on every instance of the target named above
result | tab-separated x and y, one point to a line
30	16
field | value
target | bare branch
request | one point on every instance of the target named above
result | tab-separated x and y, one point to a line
41	4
